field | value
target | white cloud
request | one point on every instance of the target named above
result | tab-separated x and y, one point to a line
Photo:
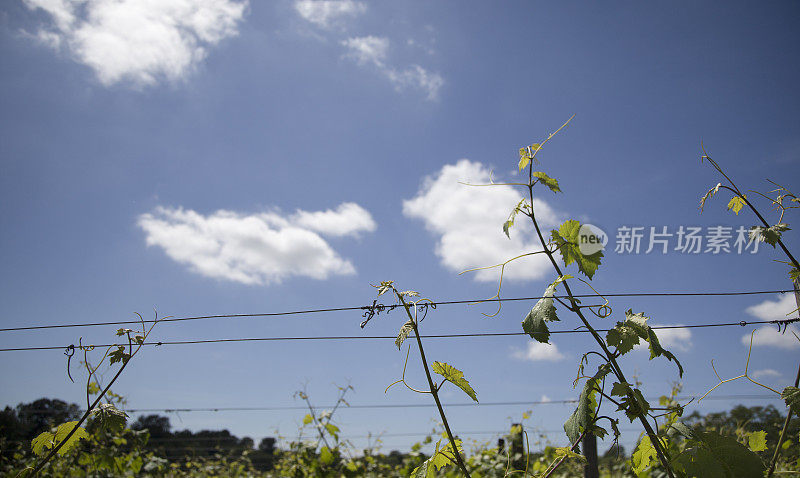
347	220
768	336
367	50
138	41
468	221
372	51
774	309
324	13
765	374
538	351
255	249
545	399
677	339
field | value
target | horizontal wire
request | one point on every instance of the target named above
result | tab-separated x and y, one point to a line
743	323
416	405
390	307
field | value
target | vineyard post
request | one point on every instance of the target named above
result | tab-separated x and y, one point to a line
589	449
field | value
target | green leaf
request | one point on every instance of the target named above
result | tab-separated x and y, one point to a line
526	154
544	311
736	203
632	401
547	181
622	337
111	418
757	441
409	293
325	456
119	355
770	235
446	455
791	395
709	195
61	434
565	451
454	376
794	274
332	429
712	455
626	334
308	419
406	329
645	453
583	415
42	442
384	286
511	217
567	239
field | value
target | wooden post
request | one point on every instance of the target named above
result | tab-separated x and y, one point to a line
589	448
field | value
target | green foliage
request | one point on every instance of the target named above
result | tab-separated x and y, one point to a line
583	416
454	376
119	355
547	181
757	441
566	239
771	235
711	454
736	203
544	311
521	206
791	395
625	335
110	418
632	401
50	439
642	457
526	154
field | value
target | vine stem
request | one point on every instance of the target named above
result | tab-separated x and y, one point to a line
774	460
80	422
609	356
434	389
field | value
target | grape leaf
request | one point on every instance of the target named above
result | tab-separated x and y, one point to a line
632	401
626	334
643	456
111	418
547	181
44	441
119	355
791	395
63	430
384	287
454	376
406	329
712	454
565	451
770	235
511	217
757	441
544	311
583	415
446	455
566	239
308	419
526	154
736	203
325	456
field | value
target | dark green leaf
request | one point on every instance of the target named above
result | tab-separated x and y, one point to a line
712	454
544	311
583	415
791	395
110	417
770	235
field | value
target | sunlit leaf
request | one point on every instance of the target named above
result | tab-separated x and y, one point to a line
567	238
547	181
406	329
757	441
736	203
454	376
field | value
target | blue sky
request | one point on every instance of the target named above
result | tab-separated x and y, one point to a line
216	156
